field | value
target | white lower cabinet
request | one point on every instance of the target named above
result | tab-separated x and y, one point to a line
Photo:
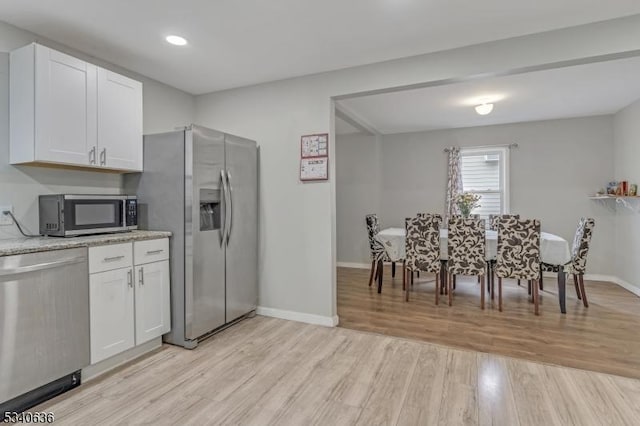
111	305
152	301
129	305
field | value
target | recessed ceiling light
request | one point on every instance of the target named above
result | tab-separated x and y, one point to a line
176	40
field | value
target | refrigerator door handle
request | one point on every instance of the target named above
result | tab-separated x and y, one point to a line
230	215
223	231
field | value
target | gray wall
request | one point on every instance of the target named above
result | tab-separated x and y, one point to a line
164	109
357	193
627	221
557	165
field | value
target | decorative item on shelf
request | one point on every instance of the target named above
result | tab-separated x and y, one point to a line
611	188
623	188
633	190
466	202
600	192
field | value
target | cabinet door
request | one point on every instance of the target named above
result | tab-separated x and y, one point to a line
111	296
119	121
65	108
153	318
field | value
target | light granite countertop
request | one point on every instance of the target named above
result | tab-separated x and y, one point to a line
23	245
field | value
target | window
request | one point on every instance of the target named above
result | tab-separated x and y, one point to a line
485	172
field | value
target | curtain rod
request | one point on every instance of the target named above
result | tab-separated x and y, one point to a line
508	145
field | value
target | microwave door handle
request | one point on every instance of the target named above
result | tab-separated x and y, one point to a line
223	230
123	217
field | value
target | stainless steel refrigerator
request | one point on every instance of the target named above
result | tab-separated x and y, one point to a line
202	185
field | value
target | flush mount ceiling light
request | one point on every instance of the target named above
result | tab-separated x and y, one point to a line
484	108
176	40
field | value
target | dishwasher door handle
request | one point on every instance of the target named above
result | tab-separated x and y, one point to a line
41	266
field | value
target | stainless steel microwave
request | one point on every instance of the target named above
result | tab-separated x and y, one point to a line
67	215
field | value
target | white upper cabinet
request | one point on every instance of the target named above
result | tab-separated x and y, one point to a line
119	121
66	111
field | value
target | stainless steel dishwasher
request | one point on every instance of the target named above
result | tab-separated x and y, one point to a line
44	325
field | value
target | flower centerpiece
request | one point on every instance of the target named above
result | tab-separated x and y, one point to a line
466	202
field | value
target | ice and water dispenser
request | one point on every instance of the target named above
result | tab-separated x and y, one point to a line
210	210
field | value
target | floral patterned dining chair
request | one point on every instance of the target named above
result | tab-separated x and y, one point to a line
578	263
422	246
466	252
518	254
378	253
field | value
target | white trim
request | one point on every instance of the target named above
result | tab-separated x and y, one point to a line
353	265
298	316
102	367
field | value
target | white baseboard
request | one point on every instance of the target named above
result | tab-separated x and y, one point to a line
95	370
353	265
298	316
627	286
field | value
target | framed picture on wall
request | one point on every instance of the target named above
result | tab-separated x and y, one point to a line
316	145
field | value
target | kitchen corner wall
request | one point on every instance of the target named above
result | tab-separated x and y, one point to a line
627	222
556	166
164	109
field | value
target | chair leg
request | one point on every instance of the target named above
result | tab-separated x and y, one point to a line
584	295
380	269
535	298
493	287
406	291
541	286
404	275
373	270
418	273
528	286
412	279
500	294
518	282
576	283
439	283
482	292
450	282
393	269
454	282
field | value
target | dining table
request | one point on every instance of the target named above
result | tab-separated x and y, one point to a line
554	250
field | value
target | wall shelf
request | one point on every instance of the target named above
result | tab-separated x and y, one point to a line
626	201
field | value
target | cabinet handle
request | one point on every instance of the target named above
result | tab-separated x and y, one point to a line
92	155
103	157
111	259
155	251
129	278
141	273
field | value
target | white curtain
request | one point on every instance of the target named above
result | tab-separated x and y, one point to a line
454	180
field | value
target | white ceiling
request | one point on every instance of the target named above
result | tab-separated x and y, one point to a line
585	90
240	42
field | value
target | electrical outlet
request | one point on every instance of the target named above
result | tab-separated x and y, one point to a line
5	219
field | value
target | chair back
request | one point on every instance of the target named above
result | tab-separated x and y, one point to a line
466	247
493	219
373	227
518	249
581	245
423	243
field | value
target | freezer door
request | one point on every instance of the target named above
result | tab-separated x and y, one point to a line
204	232
242	226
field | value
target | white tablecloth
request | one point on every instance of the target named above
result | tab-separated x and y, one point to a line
553	249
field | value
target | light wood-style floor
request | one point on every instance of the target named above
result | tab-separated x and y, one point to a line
603	337
266	371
